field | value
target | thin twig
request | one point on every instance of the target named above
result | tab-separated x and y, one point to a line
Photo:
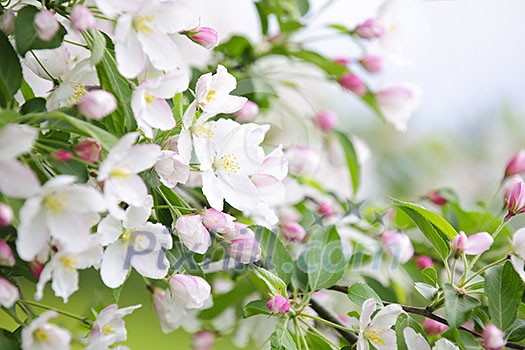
327	315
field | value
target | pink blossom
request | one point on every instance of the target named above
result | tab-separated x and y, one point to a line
294	232
244	250
96	104
514	192
6	215
6	254
434	327
370	29
278	305
493	338
435	197
398	245
82	18
204	36
472	245
89	150
248	112
424	262
46	25
203	341
353	83
62	156
517	164
326	120
372	63
325	209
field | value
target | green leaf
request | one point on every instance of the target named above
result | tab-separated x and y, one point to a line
97	45
256	307
323	260
10	71
8	116
458	307
25	35
122	120
222	302
330	67
274	254
34	105
116	293
8	340
316	342
504	289
72	167
358	293
426	290
436	229
404	321
516	332
303	6
281	339
430	275
351	159
266	281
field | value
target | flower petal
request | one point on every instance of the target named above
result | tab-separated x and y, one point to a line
160	49
415	341
15	140
131	59
113	269
212	190
478	243
65	281
170	17
131	190
386	317
33	234
17	180
369	306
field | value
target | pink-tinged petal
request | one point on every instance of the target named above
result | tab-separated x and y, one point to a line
518	242
369	306
131	190
9	293
161	50
131	60
16	140
239	191
158	115
386	317
65	281
17	180
32	232
113	270
170	17
270	189
211	189
72	230
193	233
519	265
140	158
478	243
415	341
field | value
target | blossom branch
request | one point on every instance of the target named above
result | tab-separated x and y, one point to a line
327	315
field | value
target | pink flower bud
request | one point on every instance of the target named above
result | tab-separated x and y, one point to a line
325	209
278	305
217	221
82	18
343	61
6	254
370	29
514	192
397	245
204	36
8	293
294	232
239	231
35	268
493	338
7	22
326	120
192	291
372	63
434	327
472	245
89	150
96	104
424	262
46	25
203	341
248	112
436	198
62	156
353	83
517	164
6	215
302	160
397	103
245	250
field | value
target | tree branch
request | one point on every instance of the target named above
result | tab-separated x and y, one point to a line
425	312
327	315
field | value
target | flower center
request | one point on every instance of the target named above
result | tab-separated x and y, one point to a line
374	337
143	24
119	174
203	130
40	335
68	261
228	163
78	91
210	96
107	329
54	203
150	98
126	236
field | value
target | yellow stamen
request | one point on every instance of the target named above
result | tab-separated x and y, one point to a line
210	96
374	337
119	173
78	91
107	329
203	130
150	98
68	261
40	335
143	24
228	163
54	203
126	236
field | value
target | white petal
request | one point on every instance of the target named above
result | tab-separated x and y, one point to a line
170	17
33	234
109	230
17	180
113	269
45	276
386	317
72	230
15	140
65	281
152	265
131	59
415	341
239	191
82	199
362	343
444	344
140	158
88	258
160	49
211	188
131	190
136	217
518	242
518	264
388	338
478	243
157	114
369	306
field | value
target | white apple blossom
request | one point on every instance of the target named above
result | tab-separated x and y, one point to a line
193	233
9	293
398	103
41	335
119	173
191	291
416	341
172	169
170	312
149	105
16	179
518	257
74	85
142	33
63	266
377	331
57	62
109	327
62	211
134	242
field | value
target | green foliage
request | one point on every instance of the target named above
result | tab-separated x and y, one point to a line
281	339
25	34
10	72
8	341
404	321
458	307
351	159
256	307
275	256
358	293
268	283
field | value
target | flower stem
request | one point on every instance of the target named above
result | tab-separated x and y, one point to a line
62	312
